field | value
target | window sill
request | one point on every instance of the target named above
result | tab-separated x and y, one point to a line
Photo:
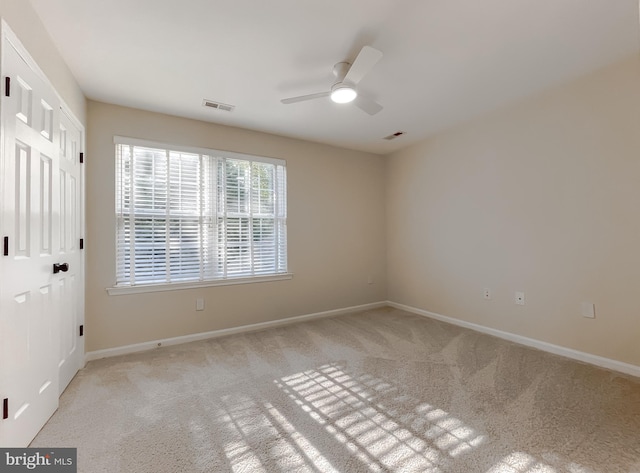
143	288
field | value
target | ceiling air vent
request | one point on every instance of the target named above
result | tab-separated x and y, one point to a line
218	106
394	135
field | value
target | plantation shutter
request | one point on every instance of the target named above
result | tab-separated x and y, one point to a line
197	216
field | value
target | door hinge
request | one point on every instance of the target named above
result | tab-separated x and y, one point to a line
82	330
81	158
5	251
82	243
5	408
7	86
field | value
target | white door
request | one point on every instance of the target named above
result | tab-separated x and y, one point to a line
37	303
70	282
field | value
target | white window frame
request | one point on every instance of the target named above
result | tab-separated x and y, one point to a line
214	157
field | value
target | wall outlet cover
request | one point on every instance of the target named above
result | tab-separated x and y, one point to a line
589	310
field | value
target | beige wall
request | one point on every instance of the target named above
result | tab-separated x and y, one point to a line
336	234
27	26
542	197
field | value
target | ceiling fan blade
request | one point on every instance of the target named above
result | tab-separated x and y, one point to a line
302	98
367	105
367	58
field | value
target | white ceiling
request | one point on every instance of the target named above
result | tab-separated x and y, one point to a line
444	61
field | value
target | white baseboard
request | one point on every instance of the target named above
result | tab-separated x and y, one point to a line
127	349
608	363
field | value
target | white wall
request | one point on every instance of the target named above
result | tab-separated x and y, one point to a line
542	197
26	24
336	233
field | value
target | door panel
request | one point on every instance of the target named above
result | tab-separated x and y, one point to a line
46	210
71	354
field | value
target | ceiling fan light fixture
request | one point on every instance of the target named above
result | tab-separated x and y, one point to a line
341	93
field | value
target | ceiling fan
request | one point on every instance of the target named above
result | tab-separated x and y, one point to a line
348	75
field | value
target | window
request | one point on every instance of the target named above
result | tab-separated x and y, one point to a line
195	215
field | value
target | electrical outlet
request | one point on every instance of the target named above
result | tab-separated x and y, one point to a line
487	293
370	279
199	303
520	298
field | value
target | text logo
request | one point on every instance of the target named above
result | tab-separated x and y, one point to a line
51	460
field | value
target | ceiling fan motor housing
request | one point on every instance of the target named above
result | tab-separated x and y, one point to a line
340	70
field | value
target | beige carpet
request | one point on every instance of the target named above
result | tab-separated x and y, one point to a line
375	391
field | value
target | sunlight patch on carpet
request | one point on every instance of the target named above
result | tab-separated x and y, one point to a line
310	452
382	427
521	462
249	422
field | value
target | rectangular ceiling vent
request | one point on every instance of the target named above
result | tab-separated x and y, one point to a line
394	135
218	105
